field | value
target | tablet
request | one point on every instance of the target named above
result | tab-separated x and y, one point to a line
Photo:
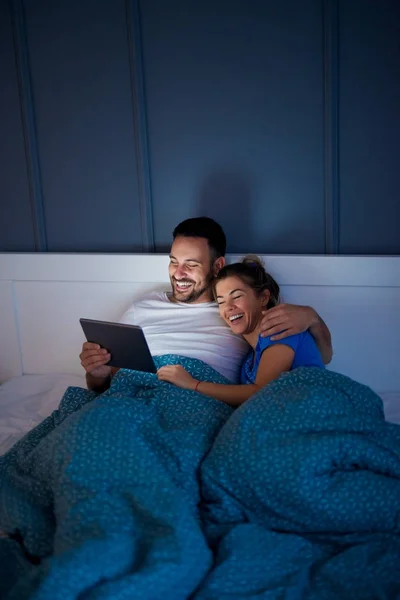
126	344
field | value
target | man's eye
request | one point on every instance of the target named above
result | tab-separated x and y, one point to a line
220	303
236	297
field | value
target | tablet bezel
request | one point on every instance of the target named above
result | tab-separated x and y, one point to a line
126	343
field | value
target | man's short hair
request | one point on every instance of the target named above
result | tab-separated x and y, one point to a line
204	227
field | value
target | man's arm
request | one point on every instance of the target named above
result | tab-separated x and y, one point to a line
100	384
288	319
94	360
322	336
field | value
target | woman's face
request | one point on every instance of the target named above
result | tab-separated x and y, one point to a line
239	305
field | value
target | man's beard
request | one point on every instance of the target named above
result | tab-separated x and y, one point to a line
195	293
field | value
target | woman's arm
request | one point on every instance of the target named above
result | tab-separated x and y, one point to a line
275	360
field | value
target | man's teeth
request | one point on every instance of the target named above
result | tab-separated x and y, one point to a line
183	285
235	317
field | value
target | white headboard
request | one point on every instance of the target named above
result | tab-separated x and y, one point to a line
42	297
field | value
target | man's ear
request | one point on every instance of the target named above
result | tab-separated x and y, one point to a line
218	265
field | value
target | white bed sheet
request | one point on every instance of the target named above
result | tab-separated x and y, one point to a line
25	401
391	405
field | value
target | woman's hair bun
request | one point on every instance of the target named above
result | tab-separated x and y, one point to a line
253	261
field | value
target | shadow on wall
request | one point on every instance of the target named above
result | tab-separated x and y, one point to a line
226	197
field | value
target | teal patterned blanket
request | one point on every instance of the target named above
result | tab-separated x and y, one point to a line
103	496
152	492
301	494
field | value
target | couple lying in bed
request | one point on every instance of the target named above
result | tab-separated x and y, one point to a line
145	492
186	321
243	291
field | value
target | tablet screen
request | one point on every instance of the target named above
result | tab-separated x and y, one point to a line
126	344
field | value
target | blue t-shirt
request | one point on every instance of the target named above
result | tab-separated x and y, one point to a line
306	354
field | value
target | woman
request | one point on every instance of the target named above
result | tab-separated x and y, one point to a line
243	291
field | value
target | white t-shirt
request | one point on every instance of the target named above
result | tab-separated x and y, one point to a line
193	330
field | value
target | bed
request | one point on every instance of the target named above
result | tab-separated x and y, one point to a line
42	297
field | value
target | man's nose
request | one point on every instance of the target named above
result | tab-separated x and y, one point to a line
180	272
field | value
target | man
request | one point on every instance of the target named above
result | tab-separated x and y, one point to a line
186	321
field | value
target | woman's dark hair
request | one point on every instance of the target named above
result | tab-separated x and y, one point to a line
251	271
204	227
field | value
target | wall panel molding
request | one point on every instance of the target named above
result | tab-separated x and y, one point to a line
331	124
134	31
29	125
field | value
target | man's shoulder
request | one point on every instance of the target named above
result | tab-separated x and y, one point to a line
150	299
155	296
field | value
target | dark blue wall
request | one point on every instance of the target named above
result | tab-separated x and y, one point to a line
120	118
